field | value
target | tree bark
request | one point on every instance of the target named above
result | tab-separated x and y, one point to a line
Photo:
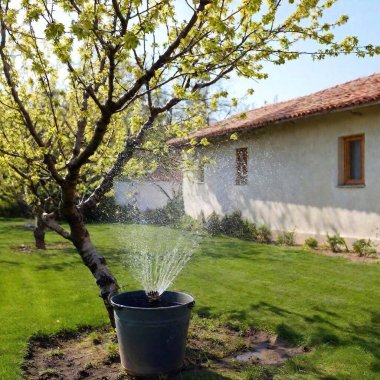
81	239
97	264
39	232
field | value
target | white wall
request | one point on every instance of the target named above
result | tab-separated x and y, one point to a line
293	178
145	194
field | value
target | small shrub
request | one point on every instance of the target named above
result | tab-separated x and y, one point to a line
364	247
212	225
170	214
336	243
174	209
108	211
311	243
234	225
287	238
264	234
156	216
250	231
188	223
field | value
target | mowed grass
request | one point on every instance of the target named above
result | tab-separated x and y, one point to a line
329	304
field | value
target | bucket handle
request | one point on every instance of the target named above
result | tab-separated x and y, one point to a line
191	304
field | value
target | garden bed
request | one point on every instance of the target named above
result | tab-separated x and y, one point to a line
351	256
212	349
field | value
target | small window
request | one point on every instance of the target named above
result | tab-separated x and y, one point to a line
353	160
201	172
241	166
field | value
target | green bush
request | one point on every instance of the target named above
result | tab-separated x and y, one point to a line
287	238
250	231
264	234
311	243
169	215
336	243
110	212
13	209
174	209
231	225
187	223
364	247
212	225
107	211
234	225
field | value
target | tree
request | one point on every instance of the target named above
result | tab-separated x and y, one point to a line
72	70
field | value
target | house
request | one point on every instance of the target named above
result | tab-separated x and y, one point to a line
150	192
311	163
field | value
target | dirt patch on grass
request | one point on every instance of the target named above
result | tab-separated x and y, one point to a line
214	351
351	256
23	248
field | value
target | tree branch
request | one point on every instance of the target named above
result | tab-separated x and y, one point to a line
48	159
49	220
162	59
81	125
124	156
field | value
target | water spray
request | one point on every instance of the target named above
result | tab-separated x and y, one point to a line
158	257
153	296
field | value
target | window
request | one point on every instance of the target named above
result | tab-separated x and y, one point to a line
241	166
353	151
201	172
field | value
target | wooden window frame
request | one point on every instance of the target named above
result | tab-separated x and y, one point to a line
241	178
346	161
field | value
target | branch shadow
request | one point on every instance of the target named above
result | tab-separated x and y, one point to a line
59	267
11	263
324	331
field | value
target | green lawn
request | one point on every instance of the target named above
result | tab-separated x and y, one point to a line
327	303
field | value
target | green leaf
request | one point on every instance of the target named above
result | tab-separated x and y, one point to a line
130	41
54	30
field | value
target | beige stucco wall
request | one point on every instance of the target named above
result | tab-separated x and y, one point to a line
293	178
145	194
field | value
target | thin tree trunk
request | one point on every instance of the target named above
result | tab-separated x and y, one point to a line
94	262
39	232
97	264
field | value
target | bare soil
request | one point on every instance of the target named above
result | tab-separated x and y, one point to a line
23	248
351	256
212	349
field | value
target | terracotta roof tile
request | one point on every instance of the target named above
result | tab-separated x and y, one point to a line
359	92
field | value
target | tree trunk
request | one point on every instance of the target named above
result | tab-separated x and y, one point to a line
39	232
97	265
80	237
94	262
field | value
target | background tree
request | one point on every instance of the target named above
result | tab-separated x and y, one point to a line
72	68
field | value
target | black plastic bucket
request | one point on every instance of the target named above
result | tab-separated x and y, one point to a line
152	339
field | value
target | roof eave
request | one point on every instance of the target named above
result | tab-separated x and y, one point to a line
183	141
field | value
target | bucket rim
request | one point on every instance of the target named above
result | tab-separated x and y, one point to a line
115	305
